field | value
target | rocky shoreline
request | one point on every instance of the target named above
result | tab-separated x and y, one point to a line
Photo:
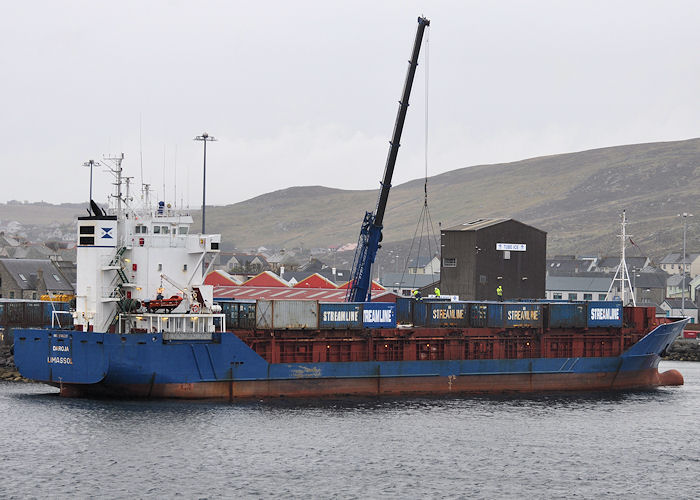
8	370
684	350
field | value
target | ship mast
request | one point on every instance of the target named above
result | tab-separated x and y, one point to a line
116	170
622	275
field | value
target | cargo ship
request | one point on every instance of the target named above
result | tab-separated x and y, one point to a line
145	326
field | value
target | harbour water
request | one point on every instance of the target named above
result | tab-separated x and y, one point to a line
632	445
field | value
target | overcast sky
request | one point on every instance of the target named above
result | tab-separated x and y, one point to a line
305	92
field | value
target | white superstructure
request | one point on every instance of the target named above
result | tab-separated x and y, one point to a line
128	256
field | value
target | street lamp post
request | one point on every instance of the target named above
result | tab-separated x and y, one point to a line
685	216
91	163
204	138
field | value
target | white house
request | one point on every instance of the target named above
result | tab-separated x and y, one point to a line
577	287
675	308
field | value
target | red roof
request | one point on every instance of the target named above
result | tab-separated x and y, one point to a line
316	281
220	278
375	286
266	279
244	292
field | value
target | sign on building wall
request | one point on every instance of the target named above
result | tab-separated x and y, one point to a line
512	247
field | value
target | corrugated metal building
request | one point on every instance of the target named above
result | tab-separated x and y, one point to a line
287	293
480	255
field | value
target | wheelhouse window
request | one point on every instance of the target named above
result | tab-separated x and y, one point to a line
556	296
156	229
183	230
573	296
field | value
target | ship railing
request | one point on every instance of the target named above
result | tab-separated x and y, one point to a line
171	323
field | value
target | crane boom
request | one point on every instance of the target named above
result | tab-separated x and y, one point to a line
371	231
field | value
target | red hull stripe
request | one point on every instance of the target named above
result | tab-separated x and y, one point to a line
311	388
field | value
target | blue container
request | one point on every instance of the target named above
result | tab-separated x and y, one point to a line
441	314
604	314
495	315
404	310
379	315
524	315
340	315
567	315
420	313
477	315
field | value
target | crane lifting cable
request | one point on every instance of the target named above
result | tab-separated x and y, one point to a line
425	222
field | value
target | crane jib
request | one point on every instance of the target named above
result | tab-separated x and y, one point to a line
371	231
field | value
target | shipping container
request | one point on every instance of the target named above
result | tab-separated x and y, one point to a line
523	315
404	310
604	314
263	314
340	315
494	317
567	314
477	315
287	314
447	314
379	315
420	313
239	314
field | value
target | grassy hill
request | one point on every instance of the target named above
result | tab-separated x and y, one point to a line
576	197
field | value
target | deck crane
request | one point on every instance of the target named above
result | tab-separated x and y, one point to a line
371	231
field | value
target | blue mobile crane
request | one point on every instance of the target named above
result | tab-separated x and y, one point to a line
371	232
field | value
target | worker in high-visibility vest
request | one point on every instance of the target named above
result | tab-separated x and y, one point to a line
437	292
499	292
416	294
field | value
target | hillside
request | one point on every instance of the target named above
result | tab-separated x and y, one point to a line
576	197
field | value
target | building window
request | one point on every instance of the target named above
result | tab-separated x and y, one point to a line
449	262
573	296
23	277
12	295
556	296
587	296
601	296
506	254
482	279
160	267
33	295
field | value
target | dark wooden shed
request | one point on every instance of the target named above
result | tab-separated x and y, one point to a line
480	255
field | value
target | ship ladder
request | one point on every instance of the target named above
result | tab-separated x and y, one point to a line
118	291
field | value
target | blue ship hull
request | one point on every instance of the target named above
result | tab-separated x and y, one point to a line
146	365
